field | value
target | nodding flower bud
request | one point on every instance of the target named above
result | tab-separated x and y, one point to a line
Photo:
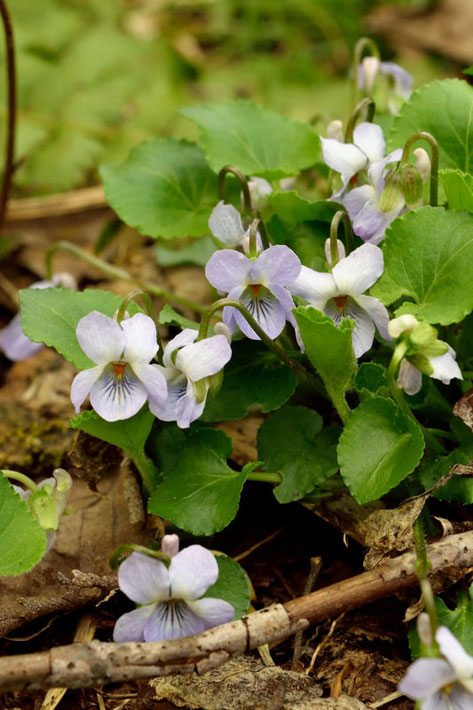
335	131
65	280
170	545
369	67
392	193
423	334
221	329
340	250
422	163
402	324
424	629
412	185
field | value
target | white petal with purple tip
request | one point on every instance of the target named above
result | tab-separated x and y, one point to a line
117	398
356	199
144	579
83	383
100	337
191	572
131	626
140	338
359	270
226	269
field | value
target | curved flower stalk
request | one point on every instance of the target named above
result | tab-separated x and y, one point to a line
13	342
423	354
441	683
373	206
340	294
122	379
170	598
187	365
260	285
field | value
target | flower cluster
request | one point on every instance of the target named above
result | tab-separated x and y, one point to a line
170	597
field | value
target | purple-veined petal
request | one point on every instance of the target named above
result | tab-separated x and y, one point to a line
276	265
265	309
213	612
340	251
225	224
165	410
191	572
152	379
116	398
363	334
314	286
451	648
14	342
377	312
369	138
144	579
229	312
185	337
170	621
140	338
356	199
425	677
131	626
409	378
402	79
345	158
445	367
82	384
100	337
366	75
204	358
227	269
188	409
359	270
286	301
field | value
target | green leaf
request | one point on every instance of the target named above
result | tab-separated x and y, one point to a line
22	539
231	585
371	377
197	252
164	189
293	208
444	109
168	316
254	377
458	188
50	316
293	443
426	257
378	448
458	489
199	492
460	619
256	141
330	351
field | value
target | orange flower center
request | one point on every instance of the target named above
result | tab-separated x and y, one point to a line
255	288
119	368
340	302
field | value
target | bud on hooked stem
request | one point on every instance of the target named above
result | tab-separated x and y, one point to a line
364	43
339	216
231	169
423	135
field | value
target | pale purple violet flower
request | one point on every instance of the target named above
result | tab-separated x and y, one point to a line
441	683
169	598
187	365
260	285
368	70
348	159
13	342
122	380
339	294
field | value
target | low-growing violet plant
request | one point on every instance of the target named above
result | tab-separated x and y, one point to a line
374	331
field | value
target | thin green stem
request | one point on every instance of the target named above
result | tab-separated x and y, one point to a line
367	105
121	551
362	44
422	568
257	225
232	170
115	272
434	160
21	478
441	434
270	344
11	110
264	477
340	216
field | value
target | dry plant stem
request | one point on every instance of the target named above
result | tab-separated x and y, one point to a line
315	567
114	272
82	201
95	663
11	105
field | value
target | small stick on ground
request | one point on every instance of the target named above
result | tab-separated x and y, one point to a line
315	567
84	665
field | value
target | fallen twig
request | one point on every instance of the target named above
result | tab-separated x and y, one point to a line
90	664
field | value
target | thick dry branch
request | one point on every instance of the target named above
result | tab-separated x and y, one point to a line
76	201
90	664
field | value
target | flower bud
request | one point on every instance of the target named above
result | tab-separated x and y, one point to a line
424	629
412	185
222	329
369	68
170	545
422	163
391	194
259	191
65	280
340	250
402	324
335	131
422	335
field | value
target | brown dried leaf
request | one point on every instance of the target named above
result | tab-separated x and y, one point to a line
344	513
464	408
243	433
246	684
